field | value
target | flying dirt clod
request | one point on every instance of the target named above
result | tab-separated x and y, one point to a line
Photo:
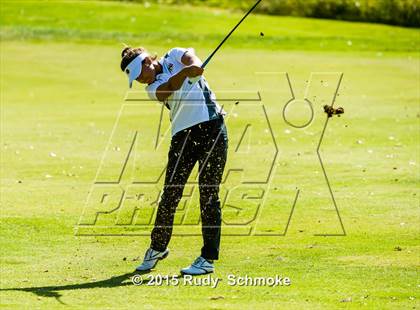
331	111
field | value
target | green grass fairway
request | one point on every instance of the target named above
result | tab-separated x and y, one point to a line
62	91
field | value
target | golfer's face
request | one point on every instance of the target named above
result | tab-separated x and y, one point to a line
148	72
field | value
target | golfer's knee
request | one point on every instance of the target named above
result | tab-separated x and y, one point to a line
209	200
170	198
210	204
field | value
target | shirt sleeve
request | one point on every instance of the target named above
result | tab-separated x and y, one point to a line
151	89
177	53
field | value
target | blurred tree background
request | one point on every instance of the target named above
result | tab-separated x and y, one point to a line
393	12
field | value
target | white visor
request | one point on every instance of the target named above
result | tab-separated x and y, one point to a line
133	69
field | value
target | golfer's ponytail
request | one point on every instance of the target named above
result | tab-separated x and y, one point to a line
125	51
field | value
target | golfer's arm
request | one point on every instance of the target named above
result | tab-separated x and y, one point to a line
189	58
174	83
165	90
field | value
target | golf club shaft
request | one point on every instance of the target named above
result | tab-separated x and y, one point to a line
193	81
227	37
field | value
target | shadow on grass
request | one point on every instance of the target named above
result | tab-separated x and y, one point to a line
55	291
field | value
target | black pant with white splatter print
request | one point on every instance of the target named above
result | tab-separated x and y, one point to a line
205	143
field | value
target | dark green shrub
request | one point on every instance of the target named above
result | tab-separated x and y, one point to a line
394	12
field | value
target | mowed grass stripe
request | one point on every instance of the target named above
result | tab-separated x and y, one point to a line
127	22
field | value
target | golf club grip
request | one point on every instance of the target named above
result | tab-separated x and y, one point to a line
227	37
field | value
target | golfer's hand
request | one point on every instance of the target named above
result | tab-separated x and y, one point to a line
193	71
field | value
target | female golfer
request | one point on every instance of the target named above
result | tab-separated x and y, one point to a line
198	135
